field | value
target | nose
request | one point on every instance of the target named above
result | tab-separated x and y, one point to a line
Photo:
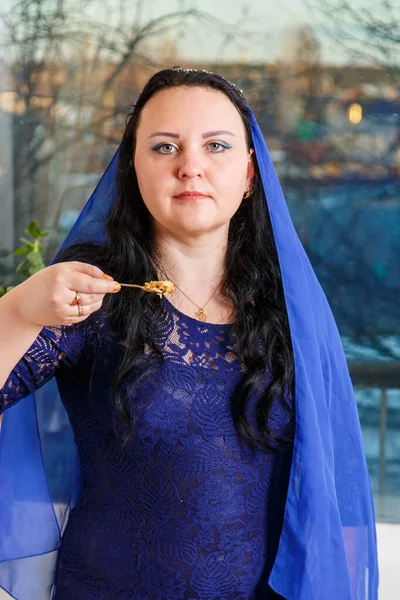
190	165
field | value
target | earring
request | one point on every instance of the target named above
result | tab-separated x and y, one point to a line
247	194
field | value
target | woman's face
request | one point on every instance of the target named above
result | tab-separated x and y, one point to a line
191	160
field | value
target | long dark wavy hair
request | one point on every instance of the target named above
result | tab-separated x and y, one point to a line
252	283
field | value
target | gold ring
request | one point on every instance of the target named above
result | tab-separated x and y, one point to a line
79	310
77	301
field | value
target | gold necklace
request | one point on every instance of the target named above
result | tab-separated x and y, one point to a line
200	314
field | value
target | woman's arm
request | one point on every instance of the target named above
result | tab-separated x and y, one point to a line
54	347
36	319
16	335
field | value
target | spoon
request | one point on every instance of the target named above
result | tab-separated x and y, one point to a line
157	287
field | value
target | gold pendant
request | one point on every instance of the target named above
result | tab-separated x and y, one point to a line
201	315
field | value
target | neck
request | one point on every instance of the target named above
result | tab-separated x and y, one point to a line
195	265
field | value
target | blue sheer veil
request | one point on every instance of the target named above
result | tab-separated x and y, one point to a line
327	547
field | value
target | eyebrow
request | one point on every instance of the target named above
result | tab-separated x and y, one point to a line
207	134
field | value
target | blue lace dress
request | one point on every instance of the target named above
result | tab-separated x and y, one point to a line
188	511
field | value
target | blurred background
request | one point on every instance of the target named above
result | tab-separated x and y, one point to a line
323	77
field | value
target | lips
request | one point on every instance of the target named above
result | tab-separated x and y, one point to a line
192	194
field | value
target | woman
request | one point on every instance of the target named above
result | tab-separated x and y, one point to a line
208	470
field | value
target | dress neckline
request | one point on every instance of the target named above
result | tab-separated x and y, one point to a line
204	324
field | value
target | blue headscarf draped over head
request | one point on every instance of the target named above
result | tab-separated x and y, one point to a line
327	549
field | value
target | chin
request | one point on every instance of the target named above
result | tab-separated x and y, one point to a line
192	230
197	226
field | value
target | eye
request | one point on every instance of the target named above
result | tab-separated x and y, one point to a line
218	146
164	148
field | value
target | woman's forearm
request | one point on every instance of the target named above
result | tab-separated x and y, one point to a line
16	335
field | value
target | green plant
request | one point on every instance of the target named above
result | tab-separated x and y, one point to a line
32	251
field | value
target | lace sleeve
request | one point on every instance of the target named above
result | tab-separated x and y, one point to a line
54	347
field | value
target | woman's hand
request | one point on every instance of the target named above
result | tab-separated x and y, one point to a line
47	298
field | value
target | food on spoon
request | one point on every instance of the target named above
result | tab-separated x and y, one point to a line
160	287
157	287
